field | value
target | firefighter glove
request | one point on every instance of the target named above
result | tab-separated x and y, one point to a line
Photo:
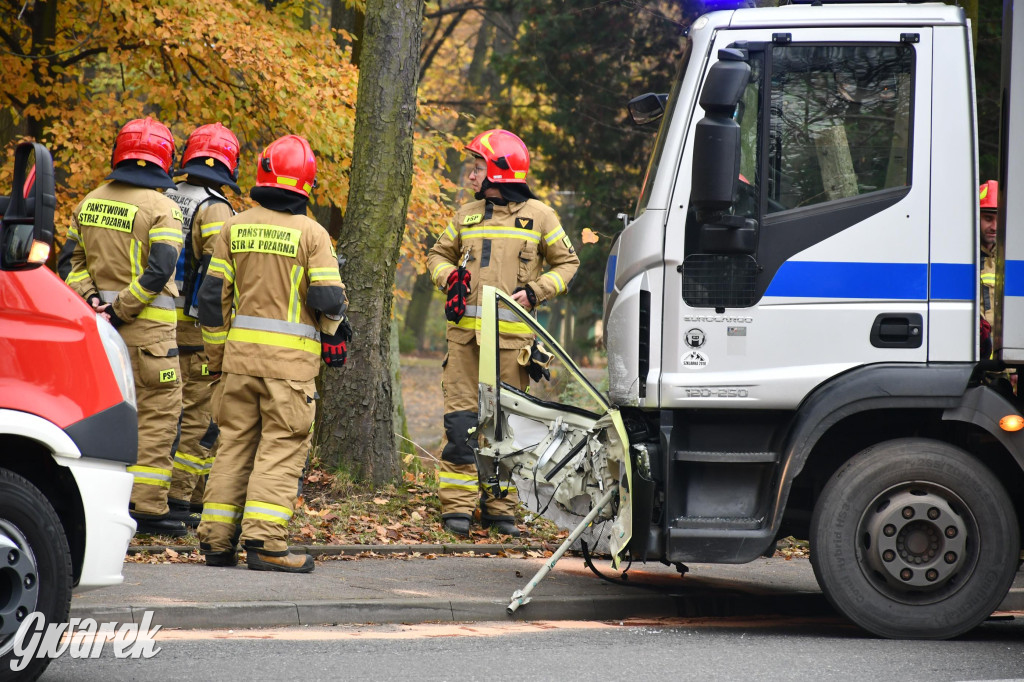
540	358
334	347
986	339
108	310
530	296
458	292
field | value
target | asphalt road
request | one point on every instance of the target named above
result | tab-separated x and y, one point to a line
706	649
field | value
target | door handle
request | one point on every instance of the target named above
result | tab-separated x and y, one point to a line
897	330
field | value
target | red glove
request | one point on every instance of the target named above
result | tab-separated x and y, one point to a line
334	347
986	339
458	292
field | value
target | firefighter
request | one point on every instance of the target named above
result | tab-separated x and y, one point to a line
988	199
127	238
210	162
278	270
502	238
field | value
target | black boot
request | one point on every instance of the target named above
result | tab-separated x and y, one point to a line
457	525
229	557
505	528
180	510
158	525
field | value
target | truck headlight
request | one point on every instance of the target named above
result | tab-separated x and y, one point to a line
120	361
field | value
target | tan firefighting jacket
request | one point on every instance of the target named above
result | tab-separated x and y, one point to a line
988	284
279	272
128	243
507	247
206	224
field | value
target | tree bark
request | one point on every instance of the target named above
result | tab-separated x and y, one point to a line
352	20
357	407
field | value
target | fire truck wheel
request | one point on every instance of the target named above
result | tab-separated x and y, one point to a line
35	568
914	538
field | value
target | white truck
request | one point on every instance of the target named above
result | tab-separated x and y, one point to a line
792	322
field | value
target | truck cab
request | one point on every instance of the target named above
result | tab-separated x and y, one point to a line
792	317
68	423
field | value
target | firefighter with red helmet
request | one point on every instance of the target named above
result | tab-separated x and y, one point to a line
272	305
127	239
209	163
503	239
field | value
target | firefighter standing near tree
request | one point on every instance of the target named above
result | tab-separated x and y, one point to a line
128	236
278	270
210	162
501	239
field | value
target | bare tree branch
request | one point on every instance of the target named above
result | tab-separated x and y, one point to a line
455	9
437	45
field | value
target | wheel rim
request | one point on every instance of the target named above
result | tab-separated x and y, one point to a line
19	584
918	542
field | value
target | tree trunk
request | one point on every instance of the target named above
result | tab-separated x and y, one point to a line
419	307
357	406
352	20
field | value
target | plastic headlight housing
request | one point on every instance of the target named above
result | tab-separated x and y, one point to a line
120	361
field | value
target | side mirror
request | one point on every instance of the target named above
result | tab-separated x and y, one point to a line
716	150
647	108
26	230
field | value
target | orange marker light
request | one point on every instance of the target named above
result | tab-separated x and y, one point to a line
1012	422
39	253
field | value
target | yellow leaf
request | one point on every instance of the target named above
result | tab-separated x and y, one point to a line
589	236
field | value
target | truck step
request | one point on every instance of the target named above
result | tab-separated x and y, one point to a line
714	456
717	523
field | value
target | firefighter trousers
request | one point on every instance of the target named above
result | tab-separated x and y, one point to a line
266	428
158	399
458	485
193	457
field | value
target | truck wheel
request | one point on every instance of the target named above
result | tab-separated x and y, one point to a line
35	568
914	538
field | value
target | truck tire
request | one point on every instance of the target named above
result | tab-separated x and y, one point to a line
35	568
914	538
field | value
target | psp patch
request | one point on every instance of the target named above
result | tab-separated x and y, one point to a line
472	219
168	375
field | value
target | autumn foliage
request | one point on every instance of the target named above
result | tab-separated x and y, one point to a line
73	76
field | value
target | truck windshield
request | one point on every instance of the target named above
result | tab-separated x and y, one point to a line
666	120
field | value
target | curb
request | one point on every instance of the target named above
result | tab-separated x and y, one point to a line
375	611
354	550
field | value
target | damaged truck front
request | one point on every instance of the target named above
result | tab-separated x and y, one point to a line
791	319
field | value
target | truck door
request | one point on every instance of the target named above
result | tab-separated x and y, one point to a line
821	263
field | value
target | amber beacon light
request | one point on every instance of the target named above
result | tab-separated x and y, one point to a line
1012	422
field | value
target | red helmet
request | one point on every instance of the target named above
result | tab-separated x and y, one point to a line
988	195
508	159
288	163
215	141
144	139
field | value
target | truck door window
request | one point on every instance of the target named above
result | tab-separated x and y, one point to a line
748	114
839	122
666	121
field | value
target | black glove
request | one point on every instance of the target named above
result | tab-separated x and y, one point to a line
540	358
334	347
458	292
109	310
530	296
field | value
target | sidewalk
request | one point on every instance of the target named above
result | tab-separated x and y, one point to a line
400	588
